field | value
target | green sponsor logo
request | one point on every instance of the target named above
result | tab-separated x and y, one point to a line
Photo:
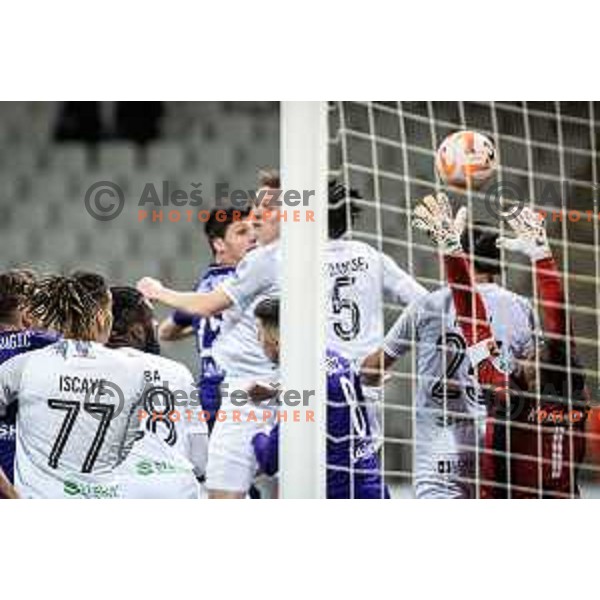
155	467
86	490
144	467
71	488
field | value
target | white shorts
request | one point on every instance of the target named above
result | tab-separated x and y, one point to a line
446	459
144	478
231	462
176	486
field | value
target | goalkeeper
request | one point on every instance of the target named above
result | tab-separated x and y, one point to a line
534	436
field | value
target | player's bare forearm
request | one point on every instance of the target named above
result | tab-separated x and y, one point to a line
194	303
7	489
169	331
374	366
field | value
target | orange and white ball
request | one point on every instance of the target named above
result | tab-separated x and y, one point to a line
466	159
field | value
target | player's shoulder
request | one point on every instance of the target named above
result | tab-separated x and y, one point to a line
102	352
429	307
260	254
433	299
18	341
40	338
169	369
52	355
352	247
212	276
215	271
346	244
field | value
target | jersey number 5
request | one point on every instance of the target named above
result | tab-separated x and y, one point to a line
348	324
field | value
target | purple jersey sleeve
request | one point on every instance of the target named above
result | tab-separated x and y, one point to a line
182	319
15	343
266	450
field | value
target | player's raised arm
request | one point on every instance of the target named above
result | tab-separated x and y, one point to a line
531	239
191	302
434	216
254	275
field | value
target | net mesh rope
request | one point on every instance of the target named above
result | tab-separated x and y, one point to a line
547	159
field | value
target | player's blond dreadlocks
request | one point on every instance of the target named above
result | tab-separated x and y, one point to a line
69	305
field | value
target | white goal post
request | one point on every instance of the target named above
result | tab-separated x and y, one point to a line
304	167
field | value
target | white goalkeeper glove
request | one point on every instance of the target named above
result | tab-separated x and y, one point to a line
530	232
434	216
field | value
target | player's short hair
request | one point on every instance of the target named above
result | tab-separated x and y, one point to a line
219	221
69	304
342	211
16	289
486	255
267	311
269	178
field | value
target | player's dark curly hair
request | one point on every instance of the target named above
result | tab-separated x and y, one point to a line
219	221
342	212
16	289
70	304
130	307
486	255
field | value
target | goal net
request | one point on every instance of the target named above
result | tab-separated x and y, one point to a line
548	159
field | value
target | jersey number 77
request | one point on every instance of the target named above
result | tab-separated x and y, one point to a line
71	409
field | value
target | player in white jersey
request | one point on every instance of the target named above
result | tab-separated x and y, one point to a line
231	462
450	411
359	279
77	399
169	457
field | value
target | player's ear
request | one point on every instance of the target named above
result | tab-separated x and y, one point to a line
26	319
218	245
103	325
137	335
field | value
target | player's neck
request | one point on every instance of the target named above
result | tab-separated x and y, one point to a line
12	325
484	278
223	261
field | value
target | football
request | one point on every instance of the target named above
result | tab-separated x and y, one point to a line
466	159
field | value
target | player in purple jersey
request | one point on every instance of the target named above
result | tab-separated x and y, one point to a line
229	237
353	469
16	337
